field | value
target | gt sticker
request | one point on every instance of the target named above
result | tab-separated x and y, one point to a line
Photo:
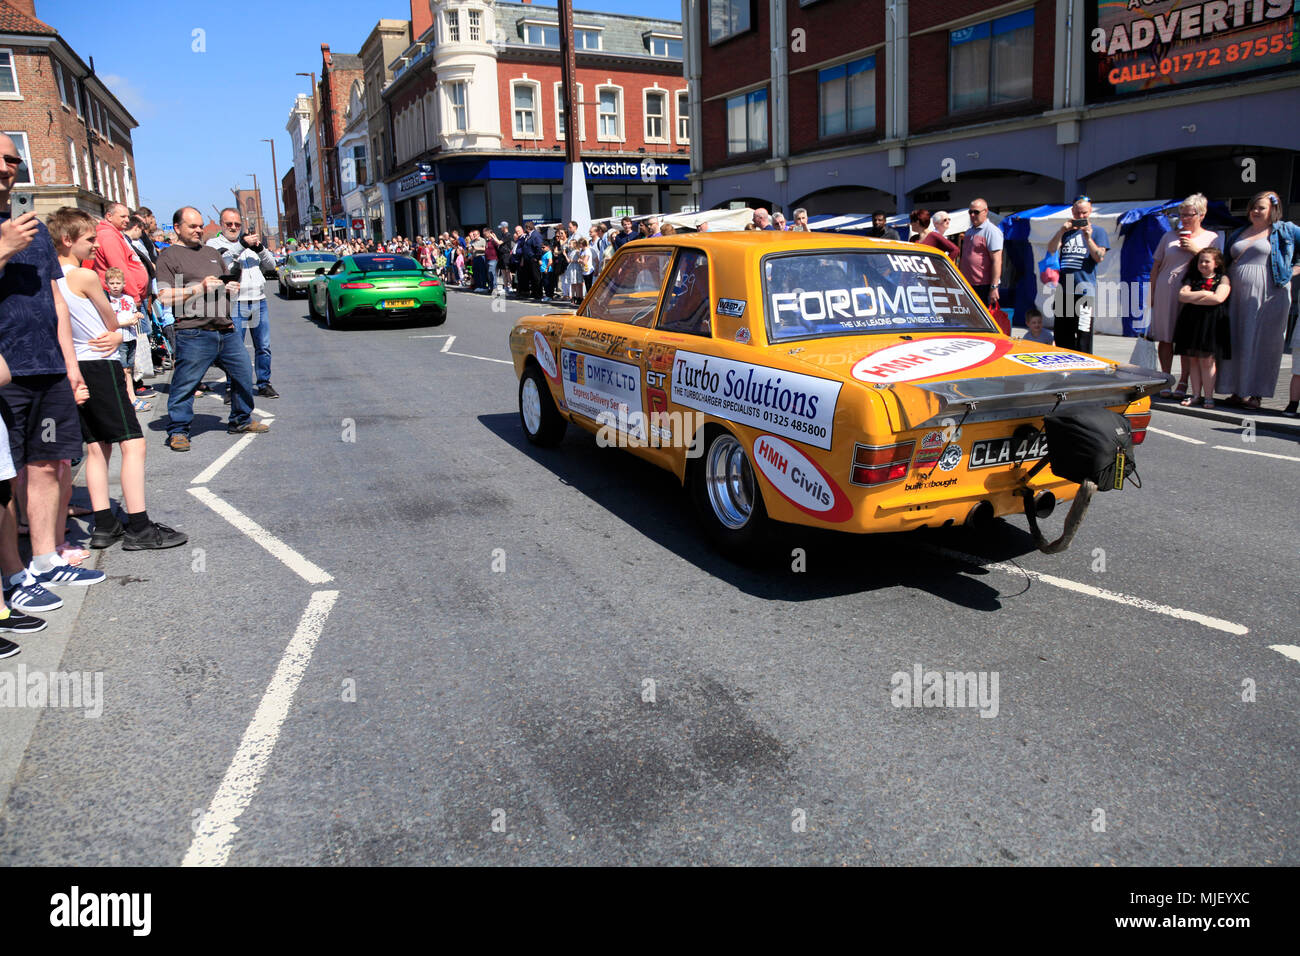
792	404
942	355
1057	361
800	480
604	390
545	357
732	307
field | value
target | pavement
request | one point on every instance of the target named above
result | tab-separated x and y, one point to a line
402	634
1118	348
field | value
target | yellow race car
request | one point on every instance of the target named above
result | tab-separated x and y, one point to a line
814	379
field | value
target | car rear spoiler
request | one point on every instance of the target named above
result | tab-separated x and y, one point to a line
922	405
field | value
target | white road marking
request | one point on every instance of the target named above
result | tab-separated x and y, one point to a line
446	349
294	561
210	472
217	829
1100	593
1286	650
1161	431
1262	454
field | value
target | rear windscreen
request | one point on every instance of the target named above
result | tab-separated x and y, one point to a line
811	295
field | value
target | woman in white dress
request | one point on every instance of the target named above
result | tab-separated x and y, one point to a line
1177	247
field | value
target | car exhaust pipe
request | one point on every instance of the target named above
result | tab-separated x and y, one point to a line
980	516
1045	504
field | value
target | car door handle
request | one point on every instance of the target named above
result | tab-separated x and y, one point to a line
635	353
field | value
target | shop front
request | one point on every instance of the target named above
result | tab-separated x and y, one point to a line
414	205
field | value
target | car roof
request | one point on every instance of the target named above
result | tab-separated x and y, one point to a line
746	239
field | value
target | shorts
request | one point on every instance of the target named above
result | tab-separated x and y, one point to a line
109	414
125	355
41	416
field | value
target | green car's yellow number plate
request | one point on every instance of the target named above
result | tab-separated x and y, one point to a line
397	304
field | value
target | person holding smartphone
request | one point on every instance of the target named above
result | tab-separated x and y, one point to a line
1082	246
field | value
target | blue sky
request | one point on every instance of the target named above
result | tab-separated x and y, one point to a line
203	115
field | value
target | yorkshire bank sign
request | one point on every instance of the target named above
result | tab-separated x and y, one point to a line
647	171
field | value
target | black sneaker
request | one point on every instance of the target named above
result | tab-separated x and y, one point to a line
226	398
8	648
154	537
104	537
266	391
22	623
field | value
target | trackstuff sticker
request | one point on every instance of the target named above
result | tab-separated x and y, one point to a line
928	358
732	307
1057	361
800	480
545	357
792	404
603	389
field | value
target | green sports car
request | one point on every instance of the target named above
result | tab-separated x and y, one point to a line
299	268
376	286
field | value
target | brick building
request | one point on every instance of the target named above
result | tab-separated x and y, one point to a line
476	98
845	106
383	46
289	197
73	134
339	71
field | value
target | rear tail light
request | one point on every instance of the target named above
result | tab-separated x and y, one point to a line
357	285
430	282
1138	422
879	464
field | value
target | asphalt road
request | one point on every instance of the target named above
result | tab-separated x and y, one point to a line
380	694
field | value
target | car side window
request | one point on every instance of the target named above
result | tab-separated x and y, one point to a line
686	303
336	268
629	289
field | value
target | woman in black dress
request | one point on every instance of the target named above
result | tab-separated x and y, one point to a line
1202	334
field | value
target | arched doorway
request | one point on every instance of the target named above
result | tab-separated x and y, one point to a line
842	200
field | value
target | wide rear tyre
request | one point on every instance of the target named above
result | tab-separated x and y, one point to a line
311	306
541	420
727	498
332	320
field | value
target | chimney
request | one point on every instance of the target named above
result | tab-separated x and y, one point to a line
24	6
421	18
325	56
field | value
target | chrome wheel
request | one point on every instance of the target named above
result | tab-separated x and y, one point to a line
530	405
729	482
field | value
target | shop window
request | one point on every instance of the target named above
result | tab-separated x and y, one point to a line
847	97
991	63
747	122
727	18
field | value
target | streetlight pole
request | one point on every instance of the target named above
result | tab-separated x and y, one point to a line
321	172
275	175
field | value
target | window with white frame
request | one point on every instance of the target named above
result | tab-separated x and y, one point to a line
991	63
524	95
727	18
72	157
560	118
609	113
359	164
475	25
665	46
747	122
656	116
8	75
846	95
453	26
85	163
457	110
586	39
126	184
60	82
541	34
683	117
25	170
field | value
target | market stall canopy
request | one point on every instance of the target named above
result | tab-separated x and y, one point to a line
719	220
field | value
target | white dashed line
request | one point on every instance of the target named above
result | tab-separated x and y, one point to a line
1262	454
294	561
1161	431
216	830
1077	587
1286	650
446	349
210	472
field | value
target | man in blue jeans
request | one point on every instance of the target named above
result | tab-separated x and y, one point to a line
189	281
249	310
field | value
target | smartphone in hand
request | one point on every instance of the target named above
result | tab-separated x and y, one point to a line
21	203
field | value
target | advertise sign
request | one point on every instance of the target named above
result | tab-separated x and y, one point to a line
358	223
1144	46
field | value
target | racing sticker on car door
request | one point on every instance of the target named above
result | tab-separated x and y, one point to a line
603	390
792	404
